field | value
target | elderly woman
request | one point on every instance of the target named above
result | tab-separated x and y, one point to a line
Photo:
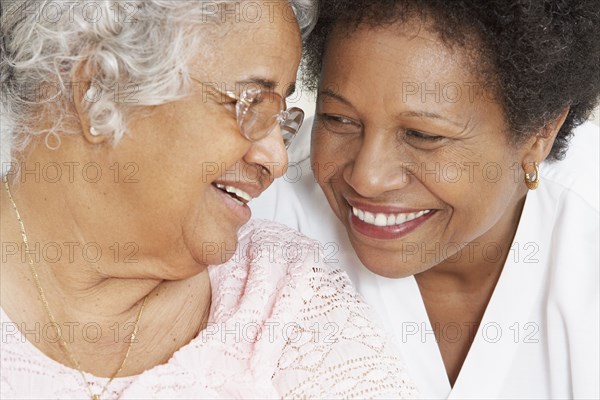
133	136
439	132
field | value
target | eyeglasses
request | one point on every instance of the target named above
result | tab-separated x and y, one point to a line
258	112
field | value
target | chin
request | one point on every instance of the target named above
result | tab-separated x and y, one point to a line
394	272
391	265
218	250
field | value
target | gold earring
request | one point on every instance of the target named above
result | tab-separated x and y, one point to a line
533	183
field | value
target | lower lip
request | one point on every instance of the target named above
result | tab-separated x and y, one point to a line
387	232
242	211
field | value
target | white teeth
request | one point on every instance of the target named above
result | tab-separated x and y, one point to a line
238	192
400	218
391	220
381	219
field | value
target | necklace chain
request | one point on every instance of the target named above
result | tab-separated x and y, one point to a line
50	315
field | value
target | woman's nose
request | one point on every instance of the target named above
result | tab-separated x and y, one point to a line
376	168
269	153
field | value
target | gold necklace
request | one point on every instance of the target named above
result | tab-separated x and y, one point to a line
63	343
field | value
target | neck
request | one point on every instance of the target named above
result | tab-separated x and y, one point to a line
73	266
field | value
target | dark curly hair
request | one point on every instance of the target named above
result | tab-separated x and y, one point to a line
543	55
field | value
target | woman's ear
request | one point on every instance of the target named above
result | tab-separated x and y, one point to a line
538	147
85	93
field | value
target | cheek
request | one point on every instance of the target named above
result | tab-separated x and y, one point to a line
331	154
327	168
478	199
324	160
470	175
209	235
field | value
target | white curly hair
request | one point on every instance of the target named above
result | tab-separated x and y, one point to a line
126	41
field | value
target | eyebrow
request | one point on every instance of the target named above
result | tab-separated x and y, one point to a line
268	84
426	114
334	95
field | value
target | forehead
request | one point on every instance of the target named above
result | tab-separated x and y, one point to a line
410	49
267	46
405	64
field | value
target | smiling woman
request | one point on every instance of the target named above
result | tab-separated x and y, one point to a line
133	136
462	199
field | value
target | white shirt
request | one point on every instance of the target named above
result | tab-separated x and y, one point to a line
539	336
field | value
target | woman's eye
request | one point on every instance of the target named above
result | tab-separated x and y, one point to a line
422	136
339	124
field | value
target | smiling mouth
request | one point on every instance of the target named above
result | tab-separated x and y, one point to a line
236	194
384	219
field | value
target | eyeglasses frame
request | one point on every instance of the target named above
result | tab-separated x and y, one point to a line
283	118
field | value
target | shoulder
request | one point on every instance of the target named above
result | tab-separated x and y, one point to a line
566	209
319	339
263	244
578	175
272	268
287	257
333	348
568	197
259	230
563	214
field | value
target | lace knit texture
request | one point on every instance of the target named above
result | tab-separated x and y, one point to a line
283	324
